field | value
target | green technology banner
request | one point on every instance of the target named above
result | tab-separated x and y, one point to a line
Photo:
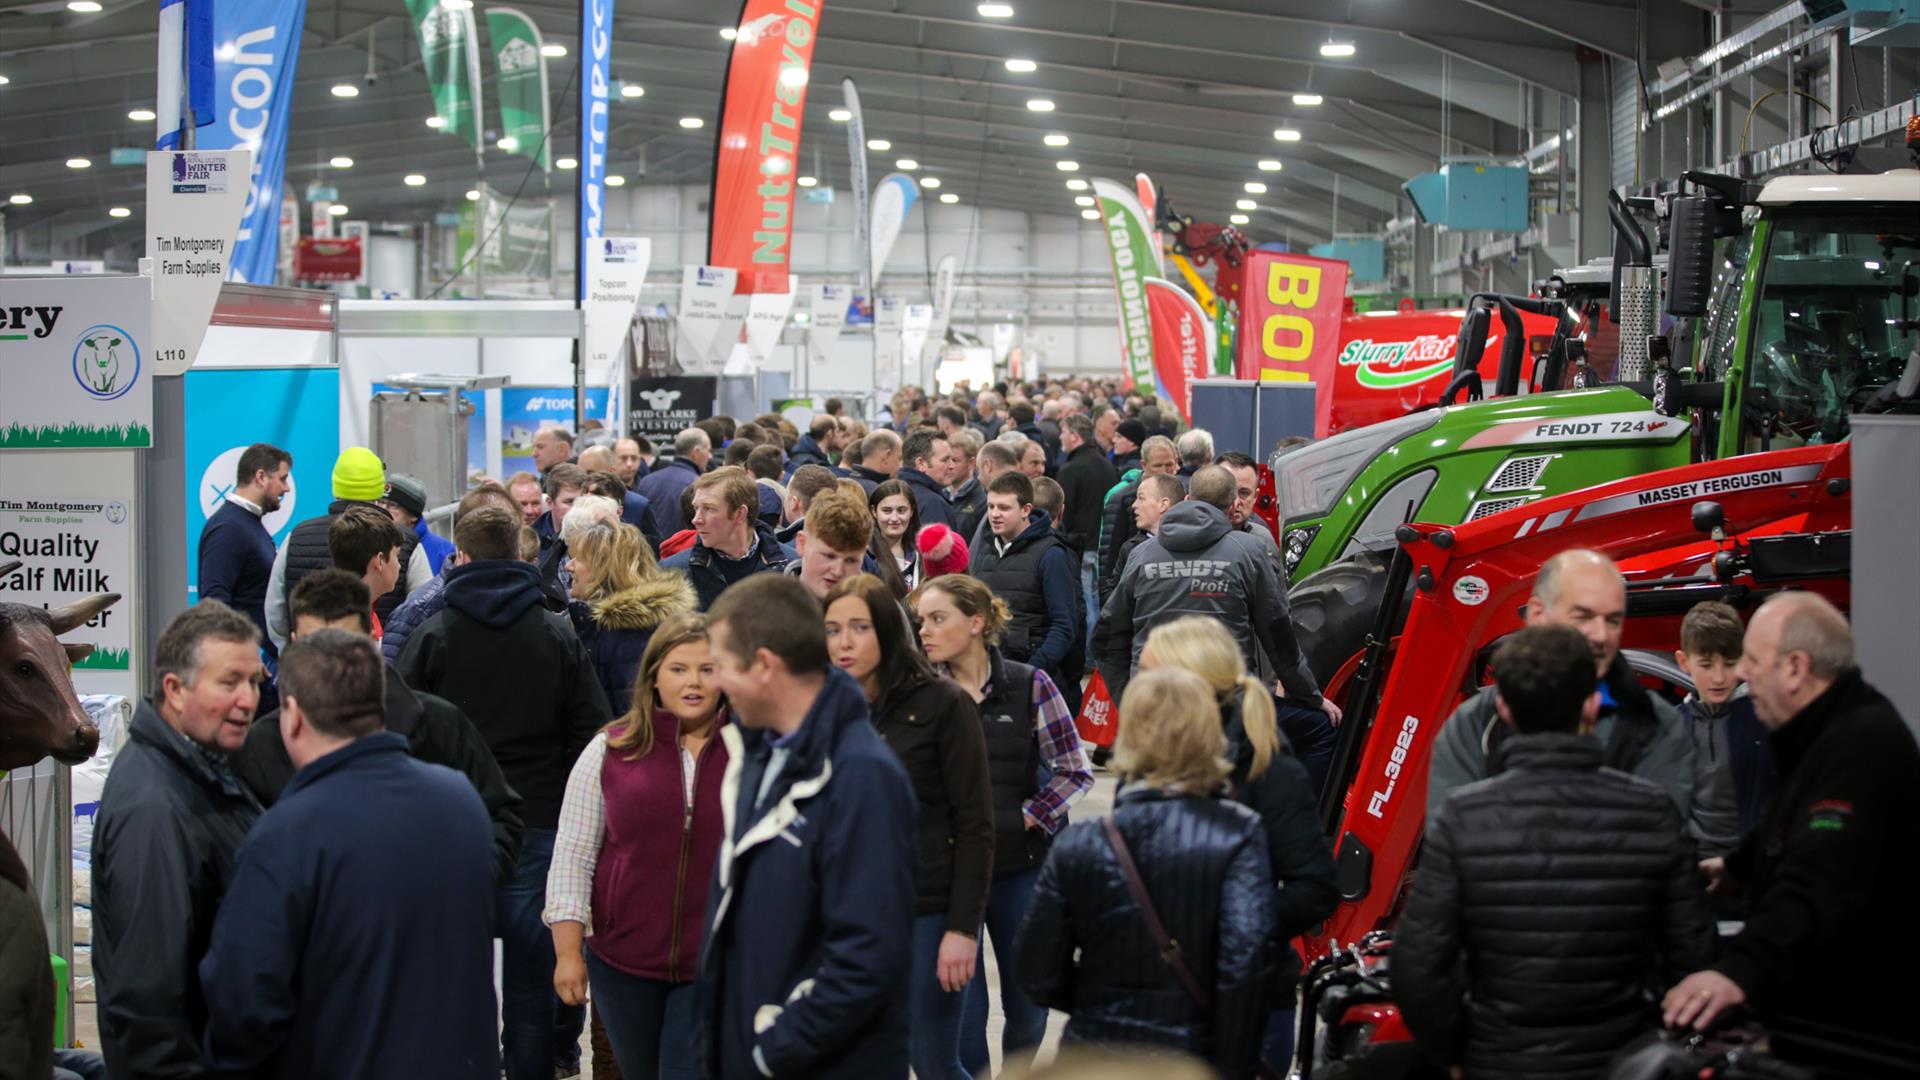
450	51
1136	257
521	83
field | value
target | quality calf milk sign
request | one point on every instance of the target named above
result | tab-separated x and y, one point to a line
76	362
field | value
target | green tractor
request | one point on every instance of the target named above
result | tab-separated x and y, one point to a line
1802	317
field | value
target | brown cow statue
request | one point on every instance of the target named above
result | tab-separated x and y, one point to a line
40	715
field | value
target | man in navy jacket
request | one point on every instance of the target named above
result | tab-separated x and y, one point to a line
346	946
805	965
236	550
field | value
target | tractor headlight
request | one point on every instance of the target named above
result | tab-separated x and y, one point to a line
1295	549
1307	482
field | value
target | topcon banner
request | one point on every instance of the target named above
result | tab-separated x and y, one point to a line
754	168
76	362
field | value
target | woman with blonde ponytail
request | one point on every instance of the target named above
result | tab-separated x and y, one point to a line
1268	779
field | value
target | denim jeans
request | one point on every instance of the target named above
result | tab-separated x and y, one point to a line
78	1065
1090	586
1312	737
1026	1022
934	1045
538	1032
648	1021
1276	1049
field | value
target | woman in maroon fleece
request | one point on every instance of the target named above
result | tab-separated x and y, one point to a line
644	795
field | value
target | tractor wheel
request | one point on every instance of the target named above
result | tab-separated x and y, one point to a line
1334	610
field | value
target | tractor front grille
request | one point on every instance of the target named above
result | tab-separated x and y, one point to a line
1519	473
1489	507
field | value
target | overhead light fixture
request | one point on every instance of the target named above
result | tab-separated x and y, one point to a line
457	5
929	181
906	164
1246	204
949	198
119	211
436	122
840	116
79	163
338	210
692	122
1067	166
566	163
1286	134
413	179
879	145
1076	184
729	33
20	198
1255	187
776	165
632	90
143	116
1269	165
1039	104
1307	99
553	49
995	11
1238	219
1056	139
793	76
508	143
1090	215
1022	67
341	162
84	7
1337	50
473	195
4	80
807	181
1083	200
616	180
345	90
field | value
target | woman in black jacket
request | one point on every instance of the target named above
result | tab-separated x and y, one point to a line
1273	783
934	727
897	517
1086	947
619	596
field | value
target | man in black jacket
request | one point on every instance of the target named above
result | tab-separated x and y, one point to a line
816	447
236	548
1551	897
1086	477
436	730
1837	850
733	544
519	673
924	457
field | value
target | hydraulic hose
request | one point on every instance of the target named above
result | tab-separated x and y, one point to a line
1639	251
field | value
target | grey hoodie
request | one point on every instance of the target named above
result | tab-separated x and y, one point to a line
1198	564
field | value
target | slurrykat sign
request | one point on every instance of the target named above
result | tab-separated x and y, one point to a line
753	179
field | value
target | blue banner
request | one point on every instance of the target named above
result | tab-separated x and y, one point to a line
256	48
226	411
525	410
596	58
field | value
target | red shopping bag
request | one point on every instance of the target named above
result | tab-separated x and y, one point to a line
1098	721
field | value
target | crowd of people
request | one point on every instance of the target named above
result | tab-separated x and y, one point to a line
755	742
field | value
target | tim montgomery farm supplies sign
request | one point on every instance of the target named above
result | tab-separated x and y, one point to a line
75	362
70	549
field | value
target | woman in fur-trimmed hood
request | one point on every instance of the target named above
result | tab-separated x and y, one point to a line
620	595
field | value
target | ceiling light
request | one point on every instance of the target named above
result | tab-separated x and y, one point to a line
565	163
995	11
553	49
413	179
1269	165
729	33
1307	99
473	195
840	116
949	198
84	7
1337	50
1076	184
79	163
436	122
775	165
119	211
144	116
1056	139
1022	67
632	90
508	143
793	76
1238	219
457	5
1255	187
1246	204
345	90
880	145
1083	200
929	181
1286	134
1039	104
338	209
906	164
1067	166
616	180
4	80
1090	215
691	122
342	162
20	199
807	181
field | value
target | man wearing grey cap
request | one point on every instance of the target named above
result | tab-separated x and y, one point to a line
407	501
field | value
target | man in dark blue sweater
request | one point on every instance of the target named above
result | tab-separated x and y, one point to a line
236	550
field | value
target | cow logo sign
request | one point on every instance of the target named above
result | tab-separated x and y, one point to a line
660	400
106	361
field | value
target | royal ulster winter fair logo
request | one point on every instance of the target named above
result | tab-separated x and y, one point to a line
106	361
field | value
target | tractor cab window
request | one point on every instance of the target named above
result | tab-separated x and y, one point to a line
1824	338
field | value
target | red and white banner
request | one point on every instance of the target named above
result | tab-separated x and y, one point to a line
1183	342
751	226
1290	322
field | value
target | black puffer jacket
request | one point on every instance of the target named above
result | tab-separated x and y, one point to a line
615	630
1570	892
934	727
1204	862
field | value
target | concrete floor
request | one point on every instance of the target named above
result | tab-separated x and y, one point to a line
1094	805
